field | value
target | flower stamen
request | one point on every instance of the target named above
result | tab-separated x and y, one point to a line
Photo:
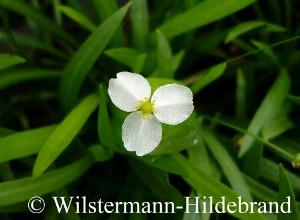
146	108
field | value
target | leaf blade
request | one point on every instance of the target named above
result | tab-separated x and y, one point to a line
273	100
227	164
213	74
64	133
9	60
22	144
83	60
77	17
20	190
213	10
286	190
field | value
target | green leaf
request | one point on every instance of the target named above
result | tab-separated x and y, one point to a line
12	77
100	153
281	150
9	60
157	82
105	130
166	63
78	17
243	28
211	11
24	8
295	99
213	74
269	170
247	26
83	60
22	144
199	180
200	158
262	192
159	184
24	40
140	27
15	191
5	132
286	190
227	164
175	138
107	8
241	95
64	133
266	50
273	100
254	154
129	57
279	124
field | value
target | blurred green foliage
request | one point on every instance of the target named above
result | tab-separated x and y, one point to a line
239	57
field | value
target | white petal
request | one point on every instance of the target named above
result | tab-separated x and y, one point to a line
173	103
127	90
141	135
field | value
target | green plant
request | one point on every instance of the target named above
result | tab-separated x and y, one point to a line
61	135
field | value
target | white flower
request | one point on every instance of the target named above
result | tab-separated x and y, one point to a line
141	131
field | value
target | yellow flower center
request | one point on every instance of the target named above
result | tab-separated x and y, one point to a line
146	108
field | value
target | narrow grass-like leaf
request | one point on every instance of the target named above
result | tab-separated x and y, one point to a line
22	144
159	183
279	124
9	60
254	154
139	63
105	131
107	8
213	74
286	190
202	14
227	164
20	190
266	50
200	181
164	52
241	95
64	133
24	8
166	62
129	57
78	17
83	60
295	99
273	100
57	12
280	150
269	170
247	26
140	27
201	159
31	42
262	192
12	77
100	153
